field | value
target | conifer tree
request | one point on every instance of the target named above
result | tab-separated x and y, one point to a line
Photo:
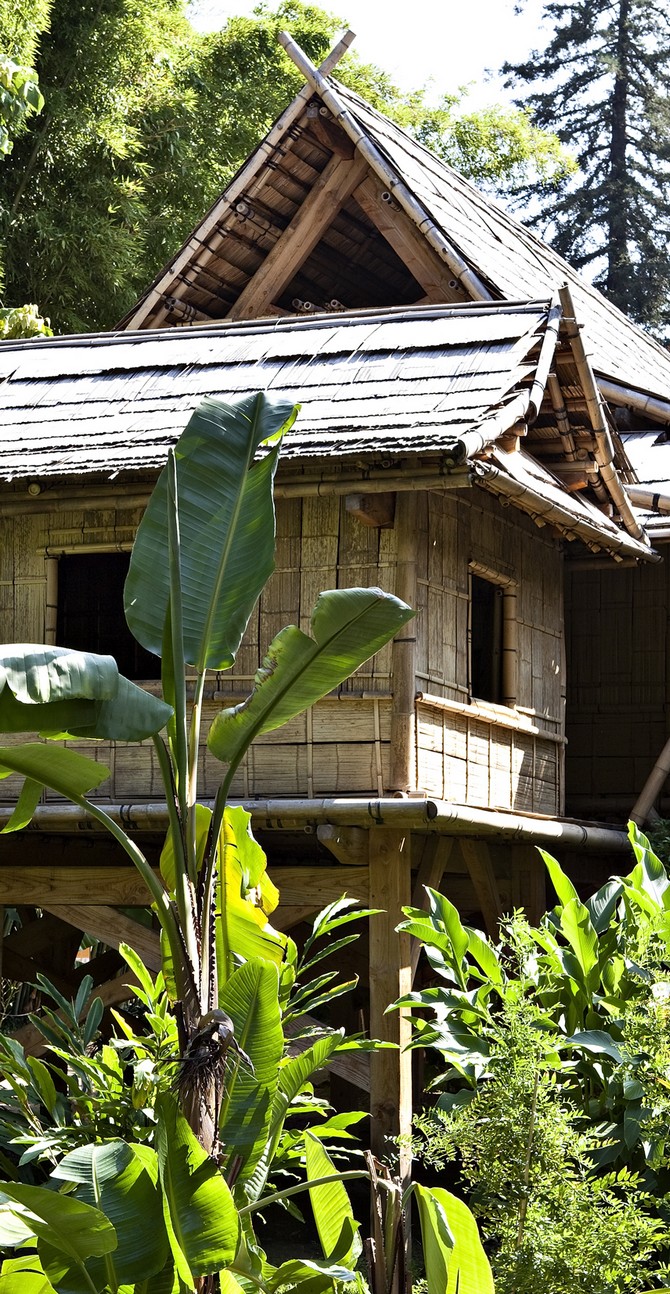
602	85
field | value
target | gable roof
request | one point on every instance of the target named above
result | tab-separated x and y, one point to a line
402	395
372	257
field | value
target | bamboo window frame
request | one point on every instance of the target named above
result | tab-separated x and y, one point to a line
509	669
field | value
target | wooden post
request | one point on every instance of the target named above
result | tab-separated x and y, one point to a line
403	653
390	978
478	861
529	885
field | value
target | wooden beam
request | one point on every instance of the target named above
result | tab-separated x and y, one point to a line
477	857
350	1066
112	928
374	510
390	978
349	845
51	887
408	242
434	860
529	882
330	191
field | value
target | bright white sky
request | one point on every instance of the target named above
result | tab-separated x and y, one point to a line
451	42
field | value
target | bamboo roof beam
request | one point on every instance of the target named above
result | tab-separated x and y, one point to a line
429	270
415	813
604	449
333	188
650	405
466	276
562	515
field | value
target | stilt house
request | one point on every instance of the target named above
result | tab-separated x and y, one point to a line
472	416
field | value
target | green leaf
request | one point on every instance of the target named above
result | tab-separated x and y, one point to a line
62	770
348	626
599	1042
561	883
242	926
436	1237
251	1000
469	1269
114	1178
24	1276
226	520
330	1203
578	930
55	691
74	1229
201	1219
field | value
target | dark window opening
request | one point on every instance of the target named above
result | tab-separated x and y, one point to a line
90	612
486	639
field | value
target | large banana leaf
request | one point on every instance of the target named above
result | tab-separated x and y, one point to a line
24	1276
72	1229
226	526
59	692
242	926
348	626
294	1073
62	770
115	1179
202	1222
333	1213
251	1000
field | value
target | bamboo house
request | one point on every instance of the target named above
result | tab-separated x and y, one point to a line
475	427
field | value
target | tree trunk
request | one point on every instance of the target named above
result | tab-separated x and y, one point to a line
618	257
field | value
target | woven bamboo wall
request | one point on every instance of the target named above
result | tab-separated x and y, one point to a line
342	746
478	754
618	643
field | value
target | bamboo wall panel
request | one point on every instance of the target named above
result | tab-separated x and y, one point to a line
465	758
618	641
460	527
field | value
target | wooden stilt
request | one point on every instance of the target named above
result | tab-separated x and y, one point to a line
390	978
436	852
529	885
478	861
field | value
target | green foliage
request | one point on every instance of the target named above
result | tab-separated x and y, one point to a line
20	323
147	120
553	1098
19	97
600	85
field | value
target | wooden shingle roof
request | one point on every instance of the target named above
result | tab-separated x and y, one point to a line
387	392
378	383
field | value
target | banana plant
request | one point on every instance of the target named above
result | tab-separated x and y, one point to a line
203	552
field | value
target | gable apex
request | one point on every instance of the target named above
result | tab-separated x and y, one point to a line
340	209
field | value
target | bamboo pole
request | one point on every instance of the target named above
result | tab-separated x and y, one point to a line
415	478
414	813
403	652
651	405
510	646
51	600
604	449
653	500
562	419
545	358
652	787
495	479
